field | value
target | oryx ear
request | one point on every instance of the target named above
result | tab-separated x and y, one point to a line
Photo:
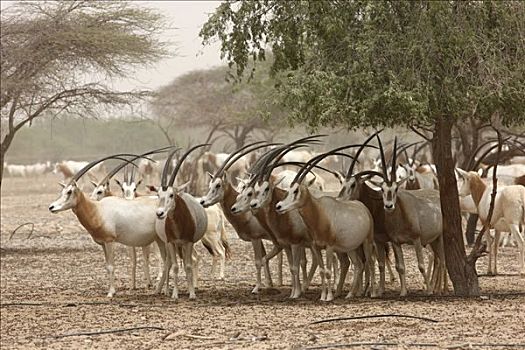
375	183
118	183
63	185
339	176
139	182
311	182
402	181
239	179
210	175
152	188
182	187
461	172
94	183
281	179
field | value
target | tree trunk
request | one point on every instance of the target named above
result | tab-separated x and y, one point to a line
471	228
463	275
6	142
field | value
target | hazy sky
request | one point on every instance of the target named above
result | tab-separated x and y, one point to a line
187	17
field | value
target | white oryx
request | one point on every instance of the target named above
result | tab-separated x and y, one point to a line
110	220
246	225
336	225
509	208
413	217
181	222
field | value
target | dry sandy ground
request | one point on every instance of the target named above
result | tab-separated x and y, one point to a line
53	284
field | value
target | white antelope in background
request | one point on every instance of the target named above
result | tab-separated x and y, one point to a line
110	220
338	226
246	225
509	208
418	176
181	222
413	217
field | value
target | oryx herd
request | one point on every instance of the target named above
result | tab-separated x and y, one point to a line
389	203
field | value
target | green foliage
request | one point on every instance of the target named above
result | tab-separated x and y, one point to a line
367	63
206	98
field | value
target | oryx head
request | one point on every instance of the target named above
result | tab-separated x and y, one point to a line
220	178
352	182
389	186
68	198
71	193
168	192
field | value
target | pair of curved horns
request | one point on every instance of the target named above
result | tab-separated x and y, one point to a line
90	165
124	163
313	162
352	165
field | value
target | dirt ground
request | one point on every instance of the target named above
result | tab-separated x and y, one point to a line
53	285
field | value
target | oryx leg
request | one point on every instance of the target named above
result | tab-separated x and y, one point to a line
110	267
145	255
289	257
368	248
421	263
276	251
328	273
187	255
519	236
319	257
304	268
258	257
165	253
440	271
357	278
313	268
400	267
172	248
279	269
345	265
297	252
381	255
195	258
133	256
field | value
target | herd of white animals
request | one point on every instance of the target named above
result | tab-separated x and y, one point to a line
379	204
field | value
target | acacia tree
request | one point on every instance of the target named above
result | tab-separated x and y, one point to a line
59	57
426	65
205	98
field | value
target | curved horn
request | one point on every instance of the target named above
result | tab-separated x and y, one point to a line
181	160
484	154
166	168
368	173
383	162
394	162
86	168
241	154
352	165
417	150
219	171
124	163
312	162
472	158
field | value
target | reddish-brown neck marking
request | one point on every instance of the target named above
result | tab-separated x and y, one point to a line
228	199
88	215
315	218
180	223
477	188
